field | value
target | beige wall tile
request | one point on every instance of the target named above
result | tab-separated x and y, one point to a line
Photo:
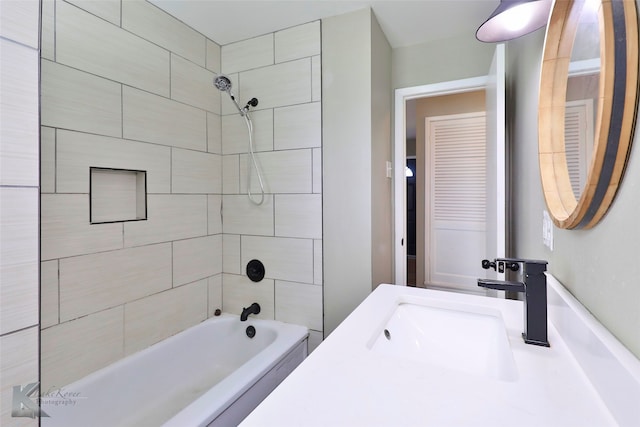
90	283
231	254
317	170
77	152
214	207
213	56
247	54
152	118
19	21
72	350
241	216
49	294
48	28
214	133
154	318
298	215
195	172
299	303
299	126
169	217
283	258
279	85
231	174
18	367
195	259
47	160
193	85
18	258
154	24
75	100
66	231
88	43
239	292
317	262
18	295
235	134
105	9
316	79
215	294
297	42
19	112
19	225
282	171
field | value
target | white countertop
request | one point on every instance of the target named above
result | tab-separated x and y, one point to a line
344	383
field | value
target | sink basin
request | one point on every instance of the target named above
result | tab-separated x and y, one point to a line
465	338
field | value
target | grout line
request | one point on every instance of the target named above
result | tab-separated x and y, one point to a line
25	328
122	111
171	266
55	33
124	328
12	41
58	285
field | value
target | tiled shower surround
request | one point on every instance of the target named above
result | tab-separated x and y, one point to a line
127	86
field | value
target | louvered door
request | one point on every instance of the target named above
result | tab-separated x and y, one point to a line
456	200
578	141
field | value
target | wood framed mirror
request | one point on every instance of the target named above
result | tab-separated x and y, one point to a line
612	73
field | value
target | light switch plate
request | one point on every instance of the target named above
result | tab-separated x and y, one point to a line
547	230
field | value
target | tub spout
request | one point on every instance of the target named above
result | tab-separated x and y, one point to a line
252	309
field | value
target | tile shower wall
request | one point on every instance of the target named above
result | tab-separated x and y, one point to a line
282	70
125	86
19	181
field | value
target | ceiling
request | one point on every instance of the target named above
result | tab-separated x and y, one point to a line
405	23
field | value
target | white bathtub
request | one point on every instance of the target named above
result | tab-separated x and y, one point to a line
210	374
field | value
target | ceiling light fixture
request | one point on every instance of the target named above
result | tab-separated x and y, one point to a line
514	18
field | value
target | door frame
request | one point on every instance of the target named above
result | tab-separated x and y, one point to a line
399	158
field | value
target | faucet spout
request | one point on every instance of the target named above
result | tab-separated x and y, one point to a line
252	309
501	285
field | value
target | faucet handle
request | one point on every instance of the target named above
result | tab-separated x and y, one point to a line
486	264
511	265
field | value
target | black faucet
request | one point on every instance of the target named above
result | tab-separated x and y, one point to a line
252	309
534	288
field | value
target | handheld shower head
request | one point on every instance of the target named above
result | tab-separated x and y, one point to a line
222	82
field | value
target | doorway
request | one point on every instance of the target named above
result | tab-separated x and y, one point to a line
439	159
411	173
496	157
404	103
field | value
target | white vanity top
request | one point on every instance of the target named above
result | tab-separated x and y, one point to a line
348	382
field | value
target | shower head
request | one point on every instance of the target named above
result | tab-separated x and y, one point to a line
222	82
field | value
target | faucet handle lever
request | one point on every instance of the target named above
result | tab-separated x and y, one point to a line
486	264
511	265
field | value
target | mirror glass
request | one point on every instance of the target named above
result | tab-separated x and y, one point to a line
582	95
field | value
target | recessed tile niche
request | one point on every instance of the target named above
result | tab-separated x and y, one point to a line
117	195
